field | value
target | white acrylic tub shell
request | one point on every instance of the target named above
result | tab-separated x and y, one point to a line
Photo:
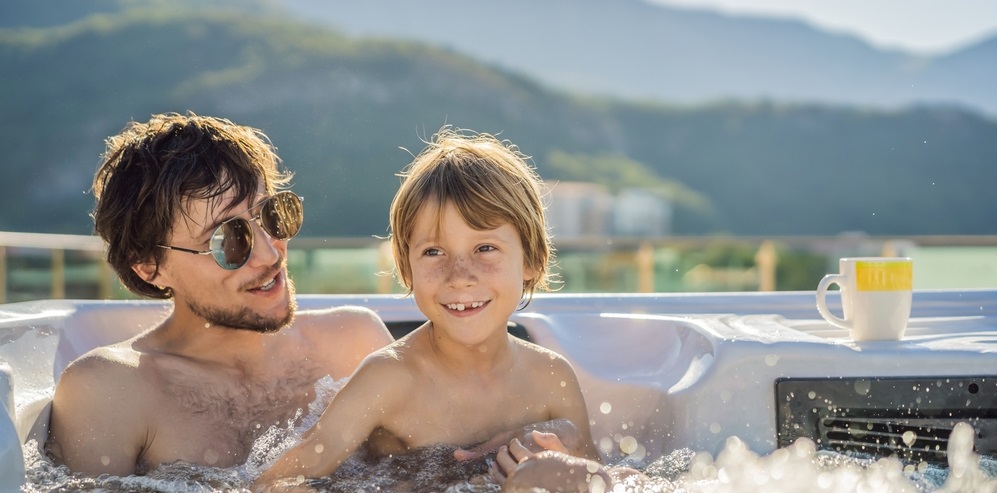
659	372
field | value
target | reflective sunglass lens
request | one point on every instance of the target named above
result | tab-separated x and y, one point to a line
282	215
232	243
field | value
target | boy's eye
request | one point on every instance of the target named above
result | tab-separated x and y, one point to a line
431	252
486	248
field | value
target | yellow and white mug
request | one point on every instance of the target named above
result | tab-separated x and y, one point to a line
875	296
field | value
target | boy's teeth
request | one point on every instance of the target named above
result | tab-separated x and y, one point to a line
461	307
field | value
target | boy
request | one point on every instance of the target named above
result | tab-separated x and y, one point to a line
470	244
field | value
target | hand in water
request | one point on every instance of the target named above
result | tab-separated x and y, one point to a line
549	470
519	468
507	458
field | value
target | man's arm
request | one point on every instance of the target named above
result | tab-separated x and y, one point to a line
95	421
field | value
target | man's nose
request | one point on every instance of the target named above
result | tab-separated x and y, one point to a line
266	249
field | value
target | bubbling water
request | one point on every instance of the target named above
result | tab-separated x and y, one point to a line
795	468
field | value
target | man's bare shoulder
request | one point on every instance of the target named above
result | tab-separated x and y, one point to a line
356	321
106	370
342	335
104	389
117	360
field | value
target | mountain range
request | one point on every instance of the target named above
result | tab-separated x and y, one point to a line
645	51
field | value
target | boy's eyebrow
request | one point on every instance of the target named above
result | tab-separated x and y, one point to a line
418	242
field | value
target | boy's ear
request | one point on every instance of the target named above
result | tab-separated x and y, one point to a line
529	273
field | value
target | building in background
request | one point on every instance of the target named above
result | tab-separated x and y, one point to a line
588	210
640	213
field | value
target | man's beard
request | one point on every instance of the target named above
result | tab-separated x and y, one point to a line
245	318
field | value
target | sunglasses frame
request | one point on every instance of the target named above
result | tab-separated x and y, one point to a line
218	253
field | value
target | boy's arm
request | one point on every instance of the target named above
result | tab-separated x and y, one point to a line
97	427
569	404
372	393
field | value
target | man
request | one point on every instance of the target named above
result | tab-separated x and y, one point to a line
192	209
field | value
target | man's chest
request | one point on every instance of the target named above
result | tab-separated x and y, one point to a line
217	422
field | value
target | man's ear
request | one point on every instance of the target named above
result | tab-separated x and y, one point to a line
146	270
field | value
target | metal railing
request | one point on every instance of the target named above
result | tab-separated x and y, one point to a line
365	263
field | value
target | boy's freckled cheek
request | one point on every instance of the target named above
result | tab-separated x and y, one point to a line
429	275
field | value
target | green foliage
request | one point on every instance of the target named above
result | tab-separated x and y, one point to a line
799	270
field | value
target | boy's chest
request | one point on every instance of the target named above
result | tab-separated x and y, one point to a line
465	415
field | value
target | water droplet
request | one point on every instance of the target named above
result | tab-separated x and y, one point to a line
606	445
909	438
211	457
605	408
628	445
862	387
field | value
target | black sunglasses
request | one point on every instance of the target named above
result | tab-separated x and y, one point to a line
231	243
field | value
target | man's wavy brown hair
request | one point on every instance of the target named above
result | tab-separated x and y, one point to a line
150	171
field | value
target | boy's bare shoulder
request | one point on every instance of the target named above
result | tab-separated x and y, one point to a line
399	362
395	357
385	375
539	356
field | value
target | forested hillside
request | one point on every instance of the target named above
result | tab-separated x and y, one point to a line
346	112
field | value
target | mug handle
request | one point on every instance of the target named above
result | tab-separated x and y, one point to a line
826	282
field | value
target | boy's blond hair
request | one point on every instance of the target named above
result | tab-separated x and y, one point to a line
489	182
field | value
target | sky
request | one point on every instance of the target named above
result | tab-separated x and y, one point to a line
921	26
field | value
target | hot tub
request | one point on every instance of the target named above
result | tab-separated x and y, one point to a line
659	372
